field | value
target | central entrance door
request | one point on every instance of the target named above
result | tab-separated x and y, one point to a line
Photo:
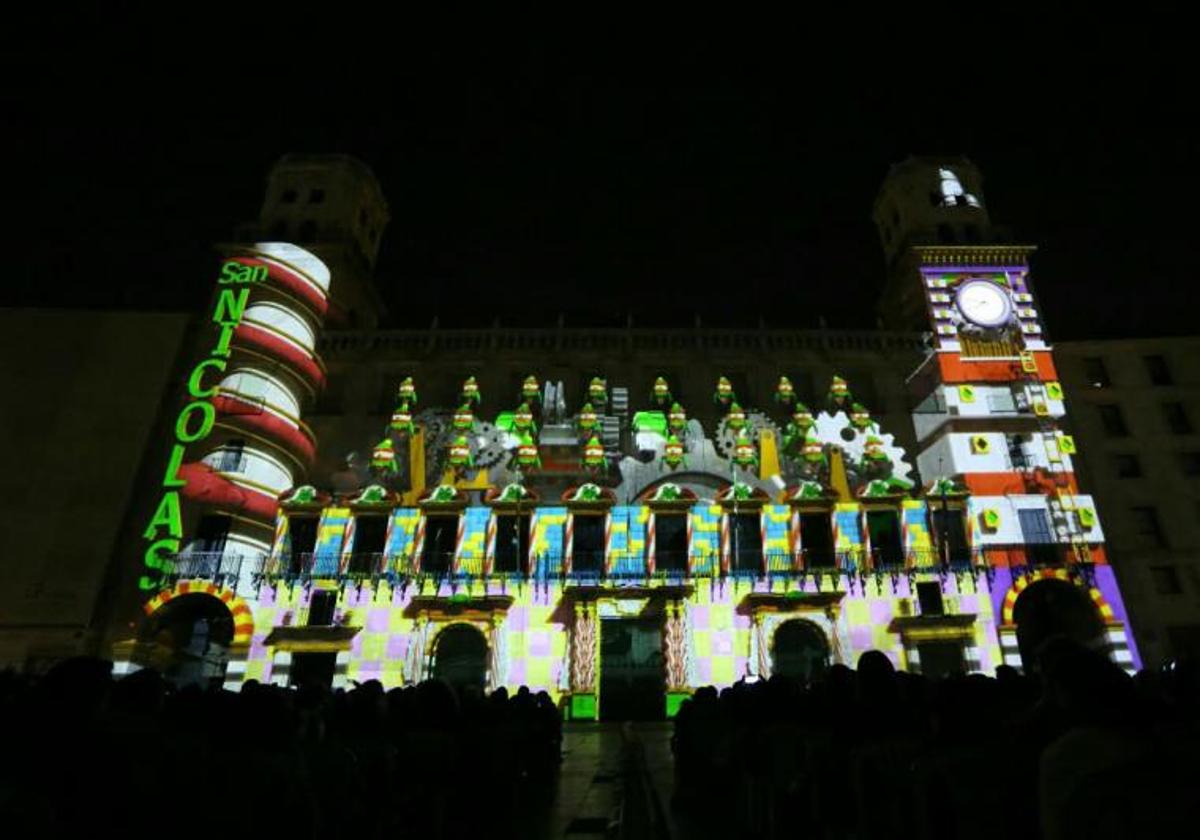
460	657
633	682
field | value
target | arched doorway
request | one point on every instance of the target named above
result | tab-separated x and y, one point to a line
799	650
195	632
460	657
1053	607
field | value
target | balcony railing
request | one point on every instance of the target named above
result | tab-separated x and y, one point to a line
617	567
227	569
217	566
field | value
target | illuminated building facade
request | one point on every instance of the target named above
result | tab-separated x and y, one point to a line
619	516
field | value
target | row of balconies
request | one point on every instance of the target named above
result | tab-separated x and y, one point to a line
590	568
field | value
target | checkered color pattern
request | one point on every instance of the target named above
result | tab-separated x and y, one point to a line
403	532
331	534
847	533
546	541
706	537
474	541
778	520
916	526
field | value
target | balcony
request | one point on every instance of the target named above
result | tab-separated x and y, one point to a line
619	569
216	566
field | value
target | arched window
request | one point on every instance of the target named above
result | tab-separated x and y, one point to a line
953	194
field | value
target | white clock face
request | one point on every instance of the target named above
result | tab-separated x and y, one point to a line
984	303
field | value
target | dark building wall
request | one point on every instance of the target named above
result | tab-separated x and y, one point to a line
82	392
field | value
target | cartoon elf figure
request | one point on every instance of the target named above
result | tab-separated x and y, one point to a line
408	392
523	420
798	427
528	457
402	421
875	461
588	422
860	418
531	389
785	393
464	419
661	394
460	454
593	456
673	453
677	419
745	453
813	461
598	390
736	418
840	397
383	458
724	393
470	392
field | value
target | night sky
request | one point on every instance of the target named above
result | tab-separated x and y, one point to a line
731	182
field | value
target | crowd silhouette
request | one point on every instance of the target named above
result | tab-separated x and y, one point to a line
88	755
1084	750
1078	750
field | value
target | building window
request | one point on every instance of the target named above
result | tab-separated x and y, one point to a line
288	197
232	456
1040	548
1146	525
1166	580
883	526
1177	419
1112	420
211	534
1126	466
950	536
441	534
1017	454
512	543
745	542
1189	463
588	549
320	610
1156	367
316	196
303	541
929	596
816	540
370	533
953	194
1095	372
670	543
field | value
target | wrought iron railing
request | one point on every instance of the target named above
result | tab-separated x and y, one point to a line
215	566
618	567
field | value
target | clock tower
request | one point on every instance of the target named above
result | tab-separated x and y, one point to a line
988	411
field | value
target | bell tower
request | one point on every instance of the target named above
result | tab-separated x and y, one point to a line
925	201
988	409
333	206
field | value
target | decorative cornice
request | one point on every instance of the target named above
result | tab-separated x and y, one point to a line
973	255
